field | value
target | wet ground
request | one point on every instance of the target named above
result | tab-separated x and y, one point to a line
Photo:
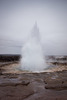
24	85
34	86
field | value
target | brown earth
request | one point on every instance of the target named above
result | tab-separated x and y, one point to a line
23	85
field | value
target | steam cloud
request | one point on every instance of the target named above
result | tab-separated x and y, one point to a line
32	54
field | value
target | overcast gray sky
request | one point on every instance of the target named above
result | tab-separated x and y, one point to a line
17	17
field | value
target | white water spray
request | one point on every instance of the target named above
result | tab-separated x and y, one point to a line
32	54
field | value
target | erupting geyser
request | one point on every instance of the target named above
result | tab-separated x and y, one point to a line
32	54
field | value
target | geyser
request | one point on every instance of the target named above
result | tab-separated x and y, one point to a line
32	53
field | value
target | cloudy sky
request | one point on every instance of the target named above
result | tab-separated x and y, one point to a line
17	18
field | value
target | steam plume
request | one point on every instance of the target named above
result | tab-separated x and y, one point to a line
32	54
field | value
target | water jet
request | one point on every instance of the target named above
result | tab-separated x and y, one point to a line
32	52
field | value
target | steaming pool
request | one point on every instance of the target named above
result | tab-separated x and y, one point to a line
15	67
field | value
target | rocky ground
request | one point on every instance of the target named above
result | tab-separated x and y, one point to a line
23	85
